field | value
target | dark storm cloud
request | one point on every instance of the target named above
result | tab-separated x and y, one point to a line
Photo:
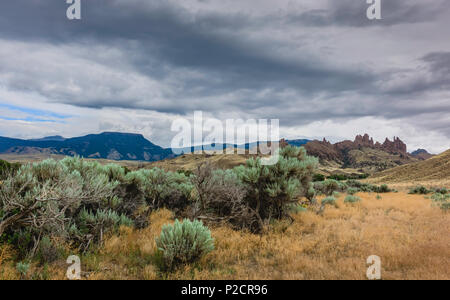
162	39
432	75
439	66
170	59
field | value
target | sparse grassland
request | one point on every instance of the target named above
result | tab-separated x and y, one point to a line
266	222
408	233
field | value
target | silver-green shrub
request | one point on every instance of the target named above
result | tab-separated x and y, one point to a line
46	199
271	189
352	190
352	199
441	200
330	200
184	242
160	188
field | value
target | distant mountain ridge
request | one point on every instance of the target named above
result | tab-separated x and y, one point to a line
50	138
247	146
421	154
362	154
107	145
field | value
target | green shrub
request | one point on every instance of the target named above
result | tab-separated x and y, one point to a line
95	224
7	169
445	206
297	208
442	191
160	188
329	201
378	197
352	199
420	189
47	251
352	190
441	200
383	189
366	187
47	200
183	243
336	194
342	177
187	173
318	178
329	186
338	177
271	188
22	268
438	197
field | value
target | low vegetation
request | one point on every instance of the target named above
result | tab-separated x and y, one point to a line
205	224
442	200
352	199
330	200
420	189
7	169
329	186
75	203
183	242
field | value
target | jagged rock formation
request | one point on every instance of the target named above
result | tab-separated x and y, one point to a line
362	153
395	146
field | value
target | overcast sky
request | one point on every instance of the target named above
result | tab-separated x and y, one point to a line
320	66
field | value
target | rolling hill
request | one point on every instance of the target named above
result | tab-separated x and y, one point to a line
436	168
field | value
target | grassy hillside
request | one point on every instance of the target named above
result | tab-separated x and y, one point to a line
434	169
192	161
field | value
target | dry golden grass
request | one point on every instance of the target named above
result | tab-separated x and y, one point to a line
411	237
192	161
436	168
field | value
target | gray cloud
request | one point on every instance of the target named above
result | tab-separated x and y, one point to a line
164	40
299	64
353	13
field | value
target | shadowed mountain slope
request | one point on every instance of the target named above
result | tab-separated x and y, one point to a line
107	145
